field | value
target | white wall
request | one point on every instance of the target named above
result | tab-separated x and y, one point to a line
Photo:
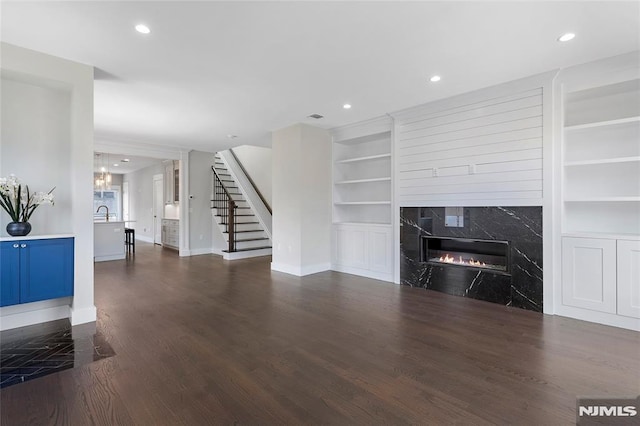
141	199
301	158
35	147
71	162
200	188
257	163
286	219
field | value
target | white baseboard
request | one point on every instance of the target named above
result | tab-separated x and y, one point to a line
144	239
300	271
109	257
246	254
34	313
200	251
363	273
599	317
83	315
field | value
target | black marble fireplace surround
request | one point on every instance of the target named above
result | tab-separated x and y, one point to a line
520	228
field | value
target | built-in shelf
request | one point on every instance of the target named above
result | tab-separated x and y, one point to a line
364	158
381	179
362	179
602	161
601	199
603	123
361	203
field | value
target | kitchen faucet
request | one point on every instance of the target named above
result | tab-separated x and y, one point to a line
106	214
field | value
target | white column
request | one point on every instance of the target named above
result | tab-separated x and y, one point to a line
301	156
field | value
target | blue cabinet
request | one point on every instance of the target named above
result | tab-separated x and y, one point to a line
9	273
32	270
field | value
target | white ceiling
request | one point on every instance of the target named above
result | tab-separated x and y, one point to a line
209	69
109	161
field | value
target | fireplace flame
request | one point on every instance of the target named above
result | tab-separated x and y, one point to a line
460	261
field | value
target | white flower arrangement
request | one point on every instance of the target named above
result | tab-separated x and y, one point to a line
20	204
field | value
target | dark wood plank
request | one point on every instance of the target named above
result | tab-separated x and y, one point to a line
201	340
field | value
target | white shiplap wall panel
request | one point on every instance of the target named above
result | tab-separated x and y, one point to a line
472	151
471	123
462	132
487	149
521	101
460	144
429	180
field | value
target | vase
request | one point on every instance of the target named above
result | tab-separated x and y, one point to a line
18	229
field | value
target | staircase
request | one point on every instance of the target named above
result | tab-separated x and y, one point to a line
243	232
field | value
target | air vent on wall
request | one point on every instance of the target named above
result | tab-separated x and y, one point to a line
316	116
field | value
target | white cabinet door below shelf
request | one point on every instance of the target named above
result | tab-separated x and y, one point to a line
589	273
629	278
364	248
380	245
351	246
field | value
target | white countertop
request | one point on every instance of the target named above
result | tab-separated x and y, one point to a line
111	221
37	237
168	218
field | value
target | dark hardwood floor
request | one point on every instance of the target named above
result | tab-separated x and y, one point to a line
202	341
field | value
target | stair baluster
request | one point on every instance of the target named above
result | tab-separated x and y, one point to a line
226	207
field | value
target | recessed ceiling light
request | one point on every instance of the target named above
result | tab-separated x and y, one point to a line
316	116
116	164
346	106
434	79
125	160
142	29
566	37
232	136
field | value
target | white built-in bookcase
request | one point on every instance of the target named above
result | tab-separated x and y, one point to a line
601	159
362	176
599	192
362	234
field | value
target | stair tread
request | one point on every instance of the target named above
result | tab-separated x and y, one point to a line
248	249
240	232
250	239
238	215
239	223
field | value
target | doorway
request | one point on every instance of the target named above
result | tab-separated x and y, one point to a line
158	208
125	201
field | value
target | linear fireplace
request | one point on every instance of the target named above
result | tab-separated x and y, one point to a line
466	252
491	253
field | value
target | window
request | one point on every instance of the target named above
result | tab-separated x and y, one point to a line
109	198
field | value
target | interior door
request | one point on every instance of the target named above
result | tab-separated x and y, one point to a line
125	201
158	208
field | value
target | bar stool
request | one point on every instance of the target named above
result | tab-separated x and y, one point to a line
130	239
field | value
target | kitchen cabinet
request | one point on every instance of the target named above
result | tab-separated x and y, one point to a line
172	182
171	233
33	270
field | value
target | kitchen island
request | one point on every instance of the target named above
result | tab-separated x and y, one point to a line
108	241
